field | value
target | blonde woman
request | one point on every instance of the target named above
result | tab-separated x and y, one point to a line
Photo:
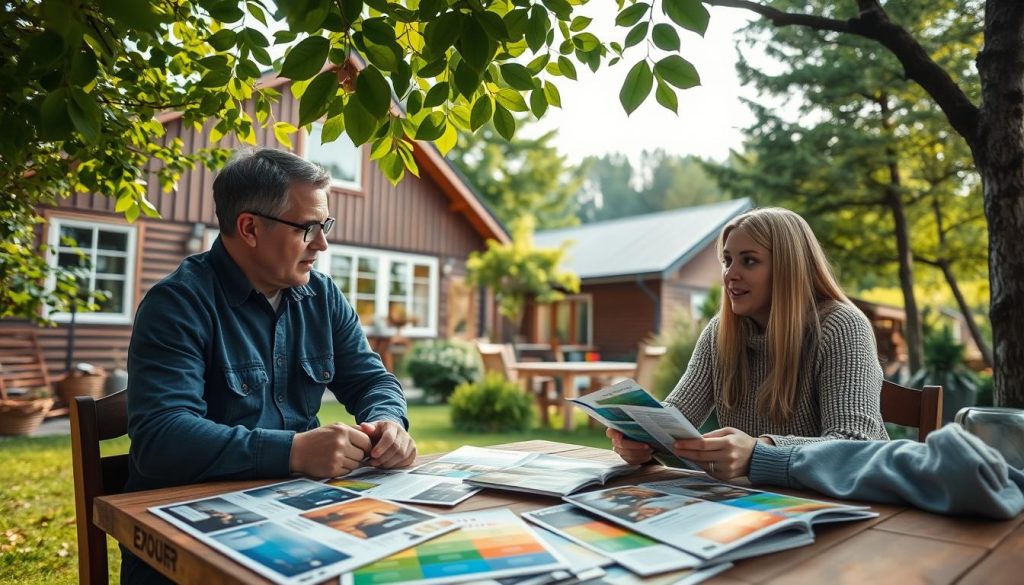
787	360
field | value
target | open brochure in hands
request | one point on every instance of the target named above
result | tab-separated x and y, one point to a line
303	531
631	410
489	544
536	473
716	522
402	486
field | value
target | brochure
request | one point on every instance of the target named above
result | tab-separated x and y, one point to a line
536	473
584	565
302	531
489	544
399	485
631	410
636	552
703	528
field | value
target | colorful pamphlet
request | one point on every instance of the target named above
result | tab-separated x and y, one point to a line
713	521
638	553
303	531
631	410
399	485
491	544
536	473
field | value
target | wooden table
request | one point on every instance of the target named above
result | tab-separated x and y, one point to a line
568	372
903	545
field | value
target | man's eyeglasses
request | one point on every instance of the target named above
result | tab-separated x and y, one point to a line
308	229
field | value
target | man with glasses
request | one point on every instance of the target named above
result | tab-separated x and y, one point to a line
230	354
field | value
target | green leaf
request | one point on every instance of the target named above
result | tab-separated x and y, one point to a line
551	94
444	144
432	127
415	102
466	80
636	87
223	39
516	22
665	37
378	31
538	63
317	97
85	114
537	28
637	34
493	25
567	68
223	11
433	68
474	45
257	12
689	14
511	99
373	91
586	42
666	96
439	34
504	123
677	71
401	78
383	56
215	78
437	95
483	108
392	167
333	128
306	58
124	202
134	15
359	123
253	38
561	8
517	76
351	9
538	103
580	23
632	15
283	132
84	67
57	123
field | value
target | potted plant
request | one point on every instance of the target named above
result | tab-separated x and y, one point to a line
21	413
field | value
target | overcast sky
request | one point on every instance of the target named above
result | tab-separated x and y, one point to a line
592	121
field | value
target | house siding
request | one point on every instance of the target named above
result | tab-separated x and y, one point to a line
623	316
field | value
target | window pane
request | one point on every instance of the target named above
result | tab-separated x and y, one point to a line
113	241
341	272
422	271
562	322
421	312
367	279
543	324
110	264
368	265
68	259
341	158
399	278
582	321
366	309
82	236
114	290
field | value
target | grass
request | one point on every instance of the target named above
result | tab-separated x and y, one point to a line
37	511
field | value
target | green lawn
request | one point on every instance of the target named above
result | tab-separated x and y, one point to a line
37	511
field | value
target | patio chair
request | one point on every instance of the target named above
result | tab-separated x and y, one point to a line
913	408
499	358
93	421
22	366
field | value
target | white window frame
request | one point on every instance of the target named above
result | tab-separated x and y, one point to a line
384	259
53	239
357	184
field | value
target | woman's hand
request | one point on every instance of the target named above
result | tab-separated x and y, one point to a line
723	453
632	452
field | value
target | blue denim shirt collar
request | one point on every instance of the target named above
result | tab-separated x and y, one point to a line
236	285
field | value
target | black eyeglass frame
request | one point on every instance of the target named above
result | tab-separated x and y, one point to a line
307	228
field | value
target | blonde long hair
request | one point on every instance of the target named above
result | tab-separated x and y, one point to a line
801	280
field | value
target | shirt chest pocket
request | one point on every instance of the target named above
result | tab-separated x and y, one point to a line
316	374
247	390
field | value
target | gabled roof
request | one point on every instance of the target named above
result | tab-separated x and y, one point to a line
653	244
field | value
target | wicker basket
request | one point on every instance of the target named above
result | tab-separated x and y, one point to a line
80	384
22	417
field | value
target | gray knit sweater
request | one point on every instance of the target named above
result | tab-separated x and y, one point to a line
838	395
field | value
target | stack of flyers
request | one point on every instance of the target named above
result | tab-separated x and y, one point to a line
402	486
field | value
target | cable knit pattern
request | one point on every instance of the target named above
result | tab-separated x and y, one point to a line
838	399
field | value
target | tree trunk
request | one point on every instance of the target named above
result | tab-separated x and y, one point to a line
999	153
954	286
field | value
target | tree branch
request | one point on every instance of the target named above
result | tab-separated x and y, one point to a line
873	23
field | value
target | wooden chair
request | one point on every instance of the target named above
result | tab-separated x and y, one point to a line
93	421
913	408
499	358
21	362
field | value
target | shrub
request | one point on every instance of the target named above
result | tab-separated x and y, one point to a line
493	405
679	339
437	366
944	366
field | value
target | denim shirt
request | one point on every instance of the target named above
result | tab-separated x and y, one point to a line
219	383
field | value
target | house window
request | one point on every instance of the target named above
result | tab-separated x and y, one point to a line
569	321
387	289
342	159
107	253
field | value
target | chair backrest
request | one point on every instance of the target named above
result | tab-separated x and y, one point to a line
21	361
497	358
647	358
93	421
913	408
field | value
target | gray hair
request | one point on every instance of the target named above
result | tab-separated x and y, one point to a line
257	180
